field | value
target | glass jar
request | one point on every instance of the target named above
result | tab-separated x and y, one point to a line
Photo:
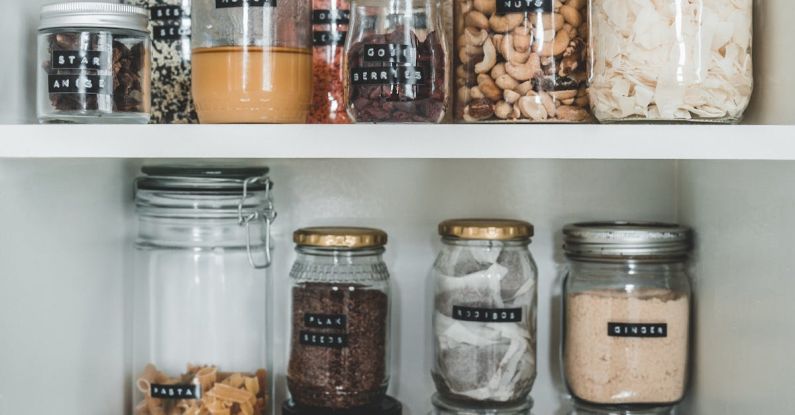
339	354
252	61
93	64
330	20
201	322
521	61
671	60
484	320
169	28
626	314
396	62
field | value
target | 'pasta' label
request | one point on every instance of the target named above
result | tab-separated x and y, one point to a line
520	6
654	330
225	4
326	321
487	315
189	391
335	341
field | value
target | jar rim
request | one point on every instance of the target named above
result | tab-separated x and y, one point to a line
486	229
340	237
93	14
627	240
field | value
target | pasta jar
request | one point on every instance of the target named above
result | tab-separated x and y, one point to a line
252	61
330	20
521	61
484	318
169	28
339	350
201	327
93	64
671	60
626	314
396	62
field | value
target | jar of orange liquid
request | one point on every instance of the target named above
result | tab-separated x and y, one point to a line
252	61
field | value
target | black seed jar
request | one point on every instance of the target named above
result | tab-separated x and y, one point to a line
93	64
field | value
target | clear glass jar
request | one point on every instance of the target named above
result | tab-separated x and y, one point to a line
339	354
330	20
252	61
93	64
170	31
626	315
396	62
484	320
521	61
201	322
671	60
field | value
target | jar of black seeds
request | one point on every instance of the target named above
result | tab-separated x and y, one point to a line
94	64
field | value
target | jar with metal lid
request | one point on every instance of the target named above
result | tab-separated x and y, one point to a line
339	354
93	64
671	61
252	60
484	318
201	322
626	313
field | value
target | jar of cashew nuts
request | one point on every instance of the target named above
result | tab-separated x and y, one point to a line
521	61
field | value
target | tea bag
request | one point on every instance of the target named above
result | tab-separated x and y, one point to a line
480	289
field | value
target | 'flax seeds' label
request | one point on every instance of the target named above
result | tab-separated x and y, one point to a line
393	75
334	341
176	392
391	52
644	330
521	6
80	84
80	59
326	321
226	4
487	315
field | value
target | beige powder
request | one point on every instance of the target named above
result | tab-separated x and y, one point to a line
619	370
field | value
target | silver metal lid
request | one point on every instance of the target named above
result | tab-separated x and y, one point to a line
94	14
627	240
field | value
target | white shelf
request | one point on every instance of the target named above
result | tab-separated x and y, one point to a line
743	142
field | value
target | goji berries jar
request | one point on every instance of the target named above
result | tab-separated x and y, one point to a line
201	322
330	20
396	62
521	61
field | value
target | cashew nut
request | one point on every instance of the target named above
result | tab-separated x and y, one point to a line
505	81
509	52
570	113
506	23
497	70
510	96
475	93
489	88
463	95
548	103
522	40
554	48
532	108
524	88
562	95
503	110
524	71
571	15
477	19
489	58
487	7
547	21
475	38
577	4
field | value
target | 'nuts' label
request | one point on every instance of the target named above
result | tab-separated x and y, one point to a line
655	330
391	52
80	59
326	321
328	38
179	392
394	75
225	4
487	315
331	16
80	84
520	6
336	341
165	13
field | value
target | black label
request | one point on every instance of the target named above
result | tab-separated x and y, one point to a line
326	321
165	13
655	330
80	84
419	20
80	59
326	38
394	75
170	32
335	341
331	16
487	315
520	6
225	4
188	391
390	53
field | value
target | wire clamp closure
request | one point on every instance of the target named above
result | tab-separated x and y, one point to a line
268	215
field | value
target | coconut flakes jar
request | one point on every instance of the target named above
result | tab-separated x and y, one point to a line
671	61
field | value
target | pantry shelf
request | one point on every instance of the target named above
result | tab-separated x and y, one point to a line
708	142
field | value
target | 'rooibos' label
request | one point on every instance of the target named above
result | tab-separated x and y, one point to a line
337	341
326	321
394	75
79	84
637	330
80	59
224	4
189	391
391	52
520	6
488	315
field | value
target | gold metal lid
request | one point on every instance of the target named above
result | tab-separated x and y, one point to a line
486	229
340	237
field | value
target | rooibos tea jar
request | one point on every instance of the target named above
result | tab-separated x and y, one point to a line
340	319
201	326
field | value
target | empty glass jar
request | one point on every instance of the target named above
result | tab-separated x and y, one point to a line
339	355
252	61
201	323
626	315
484	319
